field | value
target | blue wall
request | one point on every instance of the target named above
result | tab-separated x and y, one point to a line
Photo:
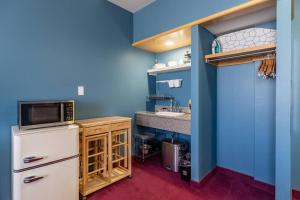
235	135
48	48
163	15
204	96
195	96
246	121
182	94
296	101
283	99
265	128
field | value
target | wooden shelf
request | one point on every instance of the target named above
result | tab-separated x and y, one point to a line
240	56
118	173
99	182
238	17
94	184
154	72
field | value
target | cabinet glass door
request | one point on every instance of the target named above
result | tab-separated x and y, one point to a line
119	154
95	165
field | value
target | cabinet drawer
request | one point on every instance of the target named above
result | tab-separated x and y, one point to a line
119	126
96	130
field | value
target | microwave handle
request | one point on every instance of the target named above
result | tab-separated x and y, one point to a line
62	105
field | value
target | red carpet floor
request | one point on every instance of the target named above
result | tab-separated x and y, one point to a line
151	182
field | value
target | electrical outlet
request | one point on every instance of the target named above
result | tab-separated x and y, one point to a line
80	90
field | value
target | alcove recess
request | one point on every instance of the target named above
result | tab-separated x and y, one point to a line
236	18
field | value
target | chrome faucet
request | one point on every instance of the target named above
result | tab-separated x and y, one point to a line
174	106
190	105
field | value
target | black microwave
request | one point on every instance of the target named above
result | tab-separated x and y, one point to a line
39	114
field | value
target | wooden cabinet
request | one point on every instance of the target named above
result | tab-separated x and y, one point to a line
105	152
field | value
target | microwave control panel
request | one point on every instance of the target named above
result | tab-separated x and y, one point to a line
69	109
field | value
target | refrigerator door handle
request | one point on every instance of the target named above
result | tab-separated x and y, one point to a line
31	179
33	159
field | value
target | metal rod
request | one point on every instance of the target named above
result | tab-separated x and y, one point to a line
241	56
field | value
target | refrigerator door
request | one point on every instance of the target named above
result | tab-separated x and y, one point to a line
40	146
53	182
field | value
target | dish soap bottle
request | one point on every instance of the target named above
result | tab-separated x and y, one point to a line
216	47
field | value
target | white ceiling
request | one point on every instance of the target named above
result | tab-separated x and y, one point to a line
132	5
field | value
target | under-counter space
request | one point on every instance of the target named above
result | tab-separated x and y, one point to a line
178	124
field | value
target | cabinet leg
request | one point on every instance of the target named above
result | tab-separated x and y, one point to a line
83	197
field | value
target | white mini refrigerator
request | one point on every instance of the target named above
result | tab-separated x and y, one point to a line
45	163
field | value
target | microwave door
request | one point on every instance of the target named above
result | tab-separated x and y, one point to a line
45	113
37	115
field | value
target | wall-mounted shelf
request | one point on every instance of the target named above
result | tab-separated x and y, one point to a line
240	56
160	97
241	16
154	72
